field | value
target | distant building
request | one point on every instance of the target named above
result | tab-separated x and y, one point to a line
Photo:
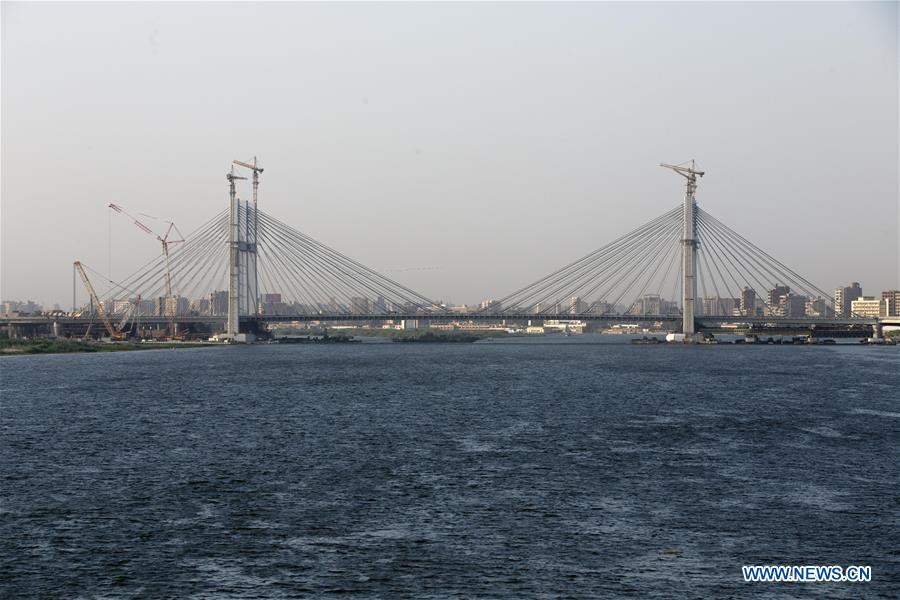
774	299
16	306
748	302
844	297
121	306
218	303
819	307
715	306
272	304
792	305
866	306
544	308
490	303
891	300
200	306
145	308
359	305
577	306
177	305
602	308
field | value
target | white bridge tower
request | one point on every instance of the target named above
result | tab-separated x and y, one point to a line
243	292
689	248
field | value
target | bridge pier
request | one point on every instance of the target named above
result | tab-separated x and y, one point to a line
877	329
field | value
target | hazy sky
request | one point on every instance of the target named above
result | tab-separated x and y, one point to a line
462	149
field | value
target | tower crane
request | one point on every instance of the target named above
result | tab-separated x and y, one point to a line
256	171
166	244
113	334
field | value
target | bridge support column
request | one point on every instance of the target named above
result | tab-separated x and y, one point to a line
689	244
243	293
234	265
689	262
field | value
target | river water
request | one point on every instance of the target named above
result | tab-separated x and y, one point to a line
541	469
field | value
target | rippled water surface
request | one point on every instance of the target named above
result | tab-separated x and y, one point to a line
493	470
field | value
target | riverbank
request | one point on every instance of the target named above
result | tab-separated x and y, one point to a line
66	346
403	335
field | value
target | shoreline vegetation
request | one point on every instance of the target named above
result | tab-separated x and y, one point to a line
10	347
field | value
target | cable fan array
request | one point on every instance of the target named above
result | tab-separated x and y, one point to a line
628	275
313	278
297	276
730	267
641	273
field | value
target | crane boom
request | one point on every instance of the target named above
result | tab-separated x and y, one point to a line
166	242
688	172
90	290
252	167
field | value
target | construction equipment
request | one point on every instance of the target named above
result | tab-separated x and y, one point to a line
256	171
113	334
132	313
170	306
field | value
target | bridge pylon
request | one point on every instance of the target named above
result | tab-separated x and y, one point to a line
242	257
689	245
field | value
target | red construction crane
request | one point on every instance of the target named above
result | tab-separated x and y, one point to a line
166	244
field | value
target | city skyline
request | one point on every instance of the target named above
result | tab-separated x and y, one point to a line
780	301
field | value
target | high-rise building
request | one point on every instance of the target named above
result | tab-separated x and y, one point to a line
177	305
792	305
844	297
773	298
200	306
748	302
218	303
716	306
891	300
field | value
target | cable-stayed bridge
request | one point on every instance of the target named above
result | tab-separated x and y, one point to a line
244	269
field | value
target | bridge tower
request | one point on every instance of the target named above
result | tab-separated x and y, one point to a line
251	223
237	247
689	248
